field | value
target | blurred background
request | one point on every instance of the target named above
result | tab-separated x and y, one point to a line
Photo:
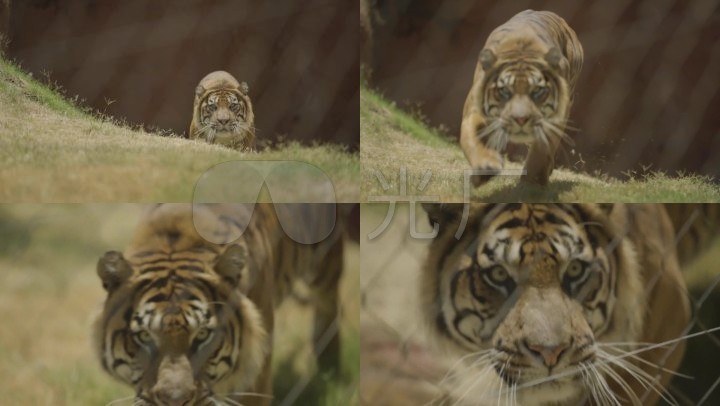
401	367
647	97
141	61
50	294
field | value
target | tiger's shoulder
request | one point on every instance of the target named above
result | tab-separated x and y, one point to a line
533	34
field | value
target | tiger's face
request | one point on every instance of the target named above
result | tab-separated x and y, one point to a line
174	325
225	117
525	297
524	101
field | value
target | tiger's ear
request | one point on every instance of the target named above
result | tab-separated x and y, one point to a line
199	90
555	58
113	270
607	208
443	213
230	264
244	88
487	59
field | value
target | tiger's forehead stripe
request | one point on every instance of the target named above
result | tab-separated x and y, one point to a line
536	230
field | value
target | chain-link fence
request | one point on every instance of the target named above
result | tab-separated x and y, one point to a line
400	366
645	100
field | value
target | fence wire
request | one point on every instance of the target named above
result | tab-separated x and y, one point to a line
401	367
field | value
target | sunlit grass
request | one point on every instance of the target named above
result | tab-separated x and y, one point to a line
392	141
52	150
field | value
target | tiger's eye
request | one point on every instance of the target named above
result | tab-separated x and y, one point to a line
144	337
503	93
498	275
574	269
202	334
539	94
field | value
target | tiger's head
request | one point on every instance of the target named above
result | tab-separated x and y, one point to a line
175	325
525	96
223	112
527	295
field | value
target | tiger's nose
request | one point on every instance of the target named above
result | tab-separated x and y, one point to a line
521	120
550	354
174	397
223	121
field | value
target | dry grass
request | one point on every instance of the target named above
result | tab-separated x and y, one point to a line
391	140
49	294
51	151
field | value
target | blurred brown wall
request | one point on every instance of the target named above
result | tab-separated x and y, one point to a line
649	92
300	58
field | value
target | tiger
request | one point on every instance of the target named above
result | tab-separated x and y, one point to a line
223	112
559	303
522	92
188	316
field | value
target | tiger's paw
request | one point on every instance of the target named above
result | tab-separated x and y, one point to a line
482	173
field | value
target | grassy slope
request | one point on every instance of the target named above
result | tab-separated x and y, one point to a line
391	139
52	151
49	294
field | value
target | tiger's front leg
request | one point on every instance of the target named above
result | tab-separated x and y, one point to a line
478	154
540	161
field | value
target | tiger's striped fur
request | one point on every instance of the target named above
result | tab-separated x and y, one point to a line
189	321
522	92
531	291
223	112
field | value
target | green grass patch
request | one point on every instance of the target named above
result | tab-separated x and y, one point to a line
53	150
392	141
26	86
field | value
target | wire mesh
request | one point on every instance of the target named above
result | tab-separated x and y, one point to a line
401	366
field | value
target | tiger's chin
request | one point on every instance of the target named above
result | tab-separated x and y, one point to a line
488	388
564	390
554	393
522	137
229	139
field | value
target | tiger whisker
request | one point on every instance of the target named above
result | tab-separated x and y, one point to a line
602	385
473	383
557	130
120	400
623	384
646	362
541	135
232	402
481	355
621	343
574	371
497	137
648	382
255	394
